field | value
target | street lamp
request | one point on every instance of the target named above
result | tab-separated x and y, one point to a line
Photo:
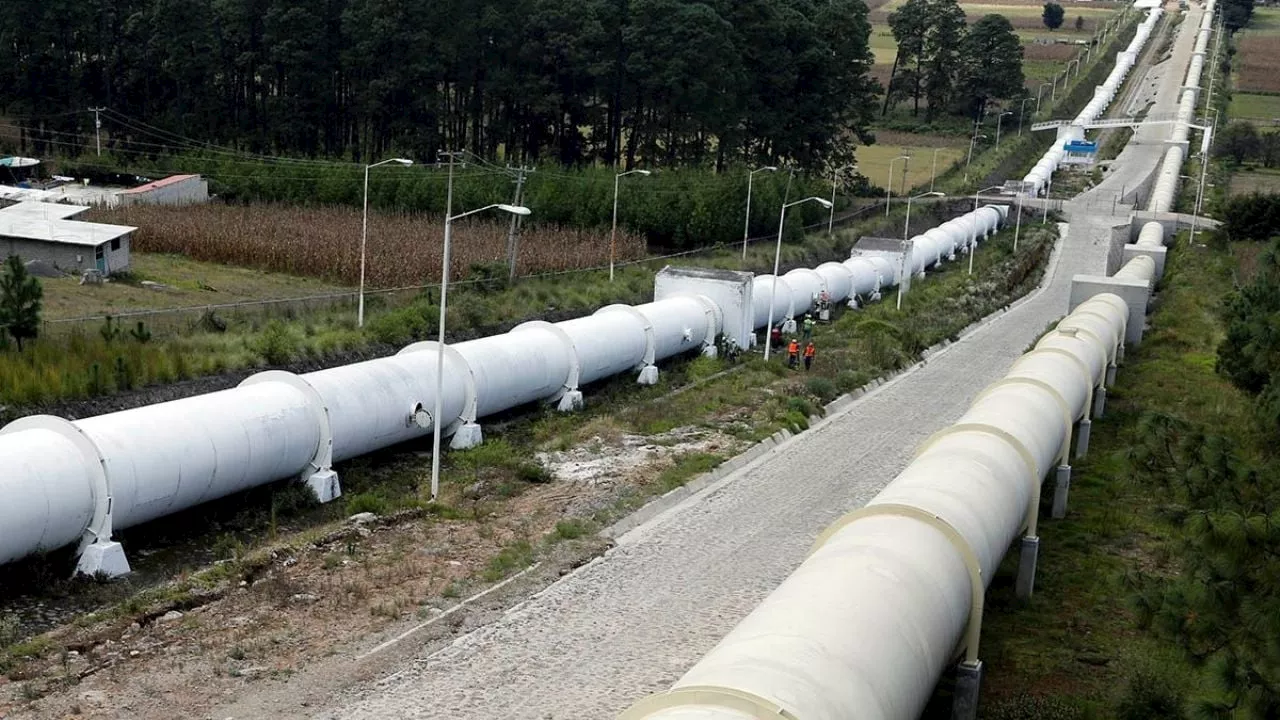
613	234
777	259
902	262
1022	112
999	119
444	291
972	140
1017	228
835	178
1048	193
979	192
888	191
746	226
364	231
934	175
1040	94
1068	72
973	244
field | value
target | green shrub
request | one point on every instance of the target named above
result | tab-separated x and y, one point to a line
366	502
533	472
850	380
801	405
571	529
822	388
276	344
1149	695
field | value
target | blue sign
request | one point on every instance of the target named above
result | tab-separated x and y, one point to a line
1081	146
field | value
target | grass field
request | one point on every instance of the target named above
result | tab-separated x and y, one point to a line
1265	181
873	160
1255	107
187	282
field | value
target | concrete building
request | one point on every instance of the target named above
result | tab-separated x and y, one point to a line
174	190
45	232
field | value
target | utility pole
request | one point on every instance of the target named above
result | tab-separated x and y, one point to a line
97	127
513	239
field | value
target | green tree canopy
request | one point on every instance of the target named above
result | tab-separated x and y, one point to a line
1239	141
942	52
992	63
1053	15
20	299
663	82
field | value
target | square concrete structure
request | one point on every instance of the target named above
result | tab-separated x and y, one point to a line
1134	292
730	289
1157	254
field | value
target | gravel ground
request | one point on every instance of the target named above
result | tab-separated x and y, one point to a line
633	621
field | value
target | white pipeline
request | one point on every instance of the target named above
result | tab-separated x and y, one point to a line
65	482
1102	97
867	623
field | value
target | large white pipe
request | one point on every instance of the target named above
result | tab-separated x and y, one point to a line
867	623
1043	170
67	481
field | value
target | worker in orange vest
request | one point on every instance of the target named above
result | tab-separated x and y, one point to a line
793	354
809	352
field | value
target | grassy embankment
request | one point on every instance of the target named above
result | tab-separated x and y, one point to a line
1075	650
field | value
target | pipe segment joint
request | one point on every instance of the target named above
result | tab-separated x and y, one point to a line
648	370
715	321
319	476
464	431
977	586
739	702
569	398
99	553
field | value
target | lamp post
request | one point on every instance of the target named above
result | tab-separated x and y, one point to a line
888	191
979	192
1017	228
999	119
973	244
1040	94
444	290
746	226
1048	193
613	234
972	140
934	175
777	259
835	176
364	232
1022	112
906	229
1067	74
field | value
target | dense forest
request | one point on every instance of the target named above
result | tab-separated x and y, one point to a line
571	81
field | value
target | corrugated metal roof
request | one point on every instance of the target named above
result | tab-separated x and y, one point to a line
172	179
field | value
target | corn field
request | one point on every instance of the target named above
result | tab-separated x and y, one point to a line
1259	64
324	242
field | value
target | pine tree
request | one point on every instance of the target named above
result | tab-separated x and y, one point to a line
20	296
1053	15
